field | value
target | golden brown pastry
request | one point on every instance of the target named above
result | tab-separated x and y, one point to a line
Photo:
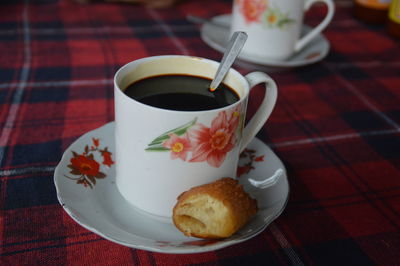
215	210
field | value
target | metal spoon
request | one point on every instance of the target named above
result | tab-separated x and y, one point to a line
235	45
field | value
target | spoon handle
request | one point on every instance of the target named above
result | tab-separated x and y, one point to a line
233	49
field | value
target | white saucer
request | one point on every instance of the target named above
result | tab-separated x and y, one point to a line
101	209
217	37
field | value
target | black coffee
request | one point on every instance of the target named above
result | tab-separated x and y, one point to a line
181	92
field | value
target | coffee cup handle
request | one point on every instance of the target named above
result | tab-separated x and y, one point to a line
265	108
318	29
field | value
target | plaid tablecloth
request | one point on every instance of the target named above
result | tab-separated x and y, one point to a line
336	127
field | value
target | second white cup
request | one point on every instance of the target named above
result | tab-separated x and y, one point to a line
274	26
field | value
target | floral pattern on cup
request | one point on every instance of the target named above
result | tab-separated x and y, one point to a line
260	11
86	167
196	142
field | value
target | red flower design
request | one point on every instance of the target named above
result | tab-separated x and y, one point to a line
241	170
233	118
96	142
251	158
179	146
212	144
107	160
253	9
85	165
259	158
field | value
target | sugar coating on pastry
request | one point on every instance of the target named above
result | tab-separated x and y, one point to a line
214	210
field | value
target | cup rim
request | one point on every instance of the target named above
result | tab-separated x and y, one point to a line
242	79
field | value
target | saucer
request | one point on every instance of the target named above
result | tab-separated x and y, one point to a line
90	196
217	37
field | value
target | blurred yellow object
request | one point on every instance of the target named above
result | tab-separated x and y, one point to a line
371	11
393	22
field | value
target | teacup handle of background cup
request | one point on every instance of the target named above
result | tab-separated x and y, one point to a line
318	29
265	108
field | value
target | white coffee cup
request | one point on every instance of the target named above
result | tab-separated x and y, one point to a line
274	26
161	153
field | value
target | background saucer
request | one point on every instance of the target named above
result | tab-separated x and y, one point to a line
101	209
217	37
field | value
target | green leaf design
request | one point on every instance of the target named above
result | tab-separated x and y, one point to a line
156	144
157	148
282	23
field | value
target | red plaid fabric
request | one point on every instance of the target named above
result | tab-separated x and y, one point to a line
336	127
